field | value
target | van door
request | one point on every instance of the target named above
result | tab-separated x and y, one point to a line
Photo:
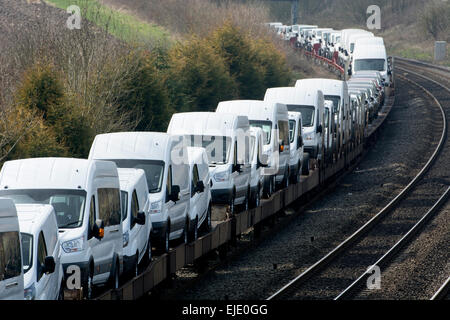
43	280
137	231
109	212
11	274
181	208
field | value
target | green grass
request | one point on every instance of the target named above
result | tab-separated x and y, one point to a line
121	25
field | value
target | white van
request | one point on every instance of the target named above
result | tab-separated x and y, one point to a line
136	223
296	147
273	119
369	41
158	154
336	91
308	100
86	197
226	139
41	252
11	269
371	58
257	140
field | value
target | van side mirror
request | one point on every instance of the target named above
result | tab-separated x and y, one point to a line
49	265
140	219
319	129
98	229
263	161
300	142
237	168
350	72
200	187
175	193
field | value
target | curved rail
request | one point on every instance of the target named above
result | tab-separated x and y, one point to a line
374	220
443	291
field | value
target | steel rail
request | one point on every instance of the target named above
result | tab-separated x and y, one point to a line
316	267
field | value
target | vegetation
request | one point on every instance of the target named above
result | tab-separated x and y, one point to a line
121	25
62	87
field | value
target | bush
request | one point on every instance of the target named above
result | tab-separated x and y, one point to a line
235	48
435	20
142	93
198	77
59	127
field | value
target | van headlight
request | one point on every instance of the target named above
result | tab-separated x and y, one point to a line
222	176
126	239
30	292
156	207
75	245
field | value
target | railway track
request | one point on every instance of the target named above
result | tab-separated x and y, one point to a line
364	244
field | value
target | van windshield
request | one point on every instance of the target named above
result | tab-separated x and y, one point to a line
266	127
27	251
154	171
291	130
217	147
307	112
336	102
370	65
68	204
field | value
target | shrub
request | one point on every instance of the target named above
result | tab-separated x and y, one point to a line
198	77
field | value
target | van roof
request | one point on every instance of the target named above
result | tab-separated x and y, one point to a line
130	145
33	216
292	95
294	115
370	52
197	155
253	109
7	208
327	86
369	41
53	173
206	123
130	177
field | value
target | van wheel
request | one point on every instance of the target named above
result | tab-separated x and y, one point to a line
88	287
247	201
196	229
148	253
258	197
166	243
186	231
61	292
232	204
305	167
116	277
207	224
136	266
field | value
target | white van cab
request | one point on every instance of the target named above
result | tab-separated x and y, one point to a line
371	58
86	197
336	91
136	224
296	148
274	120
159	155
41	252
11	270
257	138
226	140
200	183
309	101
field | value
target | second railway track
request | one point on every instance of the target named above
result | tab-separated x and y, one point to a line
341	271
